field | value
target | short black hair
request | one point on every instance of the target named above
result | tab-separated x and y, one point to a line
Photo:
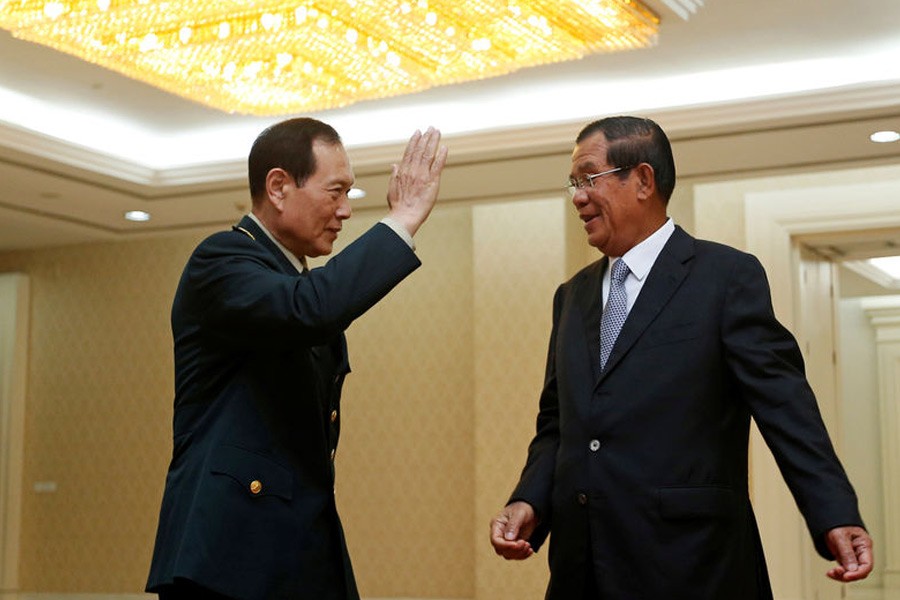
287	145
636	140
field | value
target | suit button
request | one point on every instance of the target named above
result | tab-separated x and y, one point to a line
255	487
333	416
582	499
333	452
594	445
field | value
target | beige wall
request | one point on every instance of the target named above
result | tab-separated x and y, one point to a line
520	258
406	460
98	409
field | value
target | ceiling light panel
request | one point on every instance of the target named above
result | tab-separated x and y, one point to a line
274	57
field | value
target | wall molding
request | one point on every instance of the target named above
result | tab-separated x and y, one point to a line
20	144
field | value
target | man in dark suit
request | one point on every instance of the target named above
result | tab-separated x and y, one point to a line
248	510
639	464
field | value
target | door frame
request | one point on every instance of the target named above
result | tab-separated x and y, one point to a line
768	218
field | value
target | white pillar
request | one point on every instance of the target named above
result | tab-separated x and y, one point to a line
14	311
884	314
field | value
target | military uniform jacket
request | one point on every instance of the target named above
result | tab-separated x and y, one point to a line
639	473
260	357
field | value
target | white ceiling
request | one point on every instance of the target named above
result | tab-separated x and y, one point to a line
79	144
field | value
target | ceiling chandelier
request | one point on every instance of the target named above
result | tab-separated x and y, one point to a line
271	57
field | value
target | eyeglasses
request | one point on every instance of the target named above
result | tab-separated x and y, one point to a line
586	181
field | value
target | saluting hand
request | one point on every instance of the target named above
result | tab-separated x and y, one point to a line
414	184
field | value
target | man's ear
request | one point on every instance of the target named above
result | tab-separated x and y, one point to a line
646	178
276	179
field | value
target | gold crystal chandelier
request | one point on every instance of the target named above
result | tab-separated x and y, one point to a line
272	57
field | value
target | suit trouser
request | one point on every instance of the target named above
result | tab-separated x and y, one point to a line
590	586
186	590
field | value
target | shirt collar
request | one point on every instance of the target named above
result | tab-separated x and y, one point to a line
640	259
298	263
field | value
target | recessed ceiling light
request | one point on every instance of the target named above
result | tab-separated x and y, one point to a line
884	137
356	194
137	215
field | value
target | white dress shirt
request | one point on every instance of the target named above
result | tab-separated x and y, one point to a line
640	260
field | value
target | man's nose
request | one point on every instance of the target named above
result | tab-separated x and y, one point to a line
344	210
580	197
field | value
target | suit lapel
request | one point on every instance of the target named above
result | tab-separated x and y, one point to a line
666	275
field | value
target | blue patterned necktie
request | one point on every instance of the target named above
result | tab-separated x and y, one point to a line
615	312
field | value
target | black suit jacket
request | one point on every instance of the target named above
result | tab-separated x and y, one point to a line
658	505
260	357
